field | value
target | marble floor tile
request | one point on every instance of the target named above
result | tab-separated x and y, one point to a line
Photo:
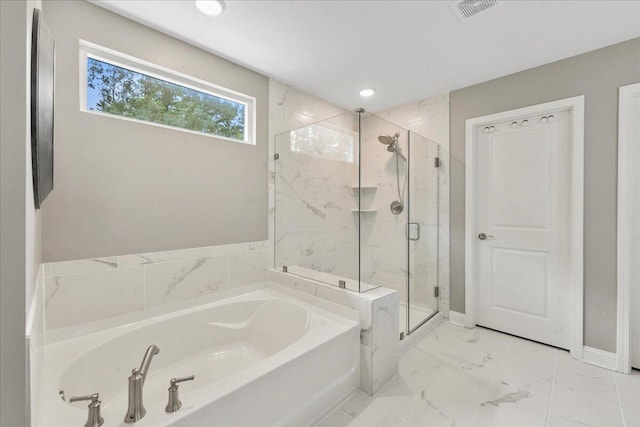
443	340
448	401
571	409
507	405
419	368
339	418
479	356
586	380
628	384
385	410
630	406
529	367
482	378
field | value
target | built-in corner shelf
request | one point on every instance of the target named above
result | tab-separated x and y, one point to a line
364	210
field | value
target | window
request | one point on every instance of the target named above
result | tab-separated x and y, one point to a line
121	86
320	141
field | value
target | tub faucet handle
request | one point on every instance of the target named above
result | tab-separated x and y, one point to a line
94	419
174	401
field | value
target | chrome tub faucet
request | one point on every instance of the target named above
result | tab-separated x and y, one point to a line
136	384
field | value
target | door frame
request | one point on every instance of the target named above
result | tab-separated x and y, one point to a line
628	173
575	105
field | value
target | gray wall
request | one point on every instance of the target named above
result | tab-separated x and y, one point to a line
19	221
123	187
596	75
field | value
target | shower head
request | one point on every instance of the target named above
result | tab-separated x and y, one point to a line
389	140
392	144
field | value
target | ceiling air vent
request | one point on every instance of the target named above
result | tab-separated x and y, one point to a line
467	8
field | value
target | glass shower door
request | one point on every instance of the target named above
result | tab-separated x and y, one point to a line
422	231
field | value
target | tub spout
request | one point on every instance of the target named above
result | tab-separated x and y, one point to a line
146	360
136	409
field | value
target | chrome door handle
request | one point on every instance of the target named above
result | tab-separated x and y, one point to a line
483	236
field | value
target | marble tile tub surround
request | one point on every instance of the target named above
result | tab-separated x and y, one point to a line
78	292
378	316
36	339
481	378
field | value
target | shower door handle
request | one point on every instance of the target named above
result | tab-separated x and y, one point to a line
413	226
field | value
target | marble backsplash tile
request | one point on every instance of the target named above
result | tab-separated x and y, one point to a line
190	278
86	297
77	292
165	256
69	268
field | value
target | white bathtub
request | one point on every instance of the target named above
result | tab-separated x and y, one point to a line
263	358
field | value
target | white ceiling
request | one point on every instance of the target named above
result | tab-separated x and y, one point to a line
407	50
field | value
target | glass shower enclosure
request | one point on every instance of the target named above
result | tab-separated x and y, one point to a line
358	206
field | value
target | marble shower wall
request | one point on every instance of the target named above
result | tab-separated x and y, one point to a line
315	226
428	118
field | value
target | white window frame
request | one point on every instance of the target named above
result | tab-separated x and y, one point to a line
100	53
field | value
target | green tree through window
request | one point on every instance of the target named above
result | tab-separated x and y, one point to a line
122	92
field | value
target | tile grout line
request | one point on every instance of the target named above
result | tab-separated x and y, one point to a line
553	384
615	386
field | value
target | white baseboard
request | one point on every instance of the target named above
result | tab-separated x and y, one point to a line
600	358
458	319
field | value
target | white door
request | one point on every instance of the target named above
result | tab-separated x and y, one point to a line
523	176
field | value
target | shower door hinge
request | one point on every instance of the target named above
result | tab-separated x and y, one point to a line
436	162
276	156
436	291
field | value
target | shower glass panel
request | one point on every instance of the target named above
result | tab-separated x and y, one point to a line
359	204
317	199
425	162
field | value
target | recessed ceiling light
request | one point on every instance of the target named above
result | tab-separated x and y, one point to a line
210	7
367	92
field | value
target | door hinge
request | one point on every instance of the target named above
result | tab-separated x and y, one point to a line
436	162
276	156
436	291
401	336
